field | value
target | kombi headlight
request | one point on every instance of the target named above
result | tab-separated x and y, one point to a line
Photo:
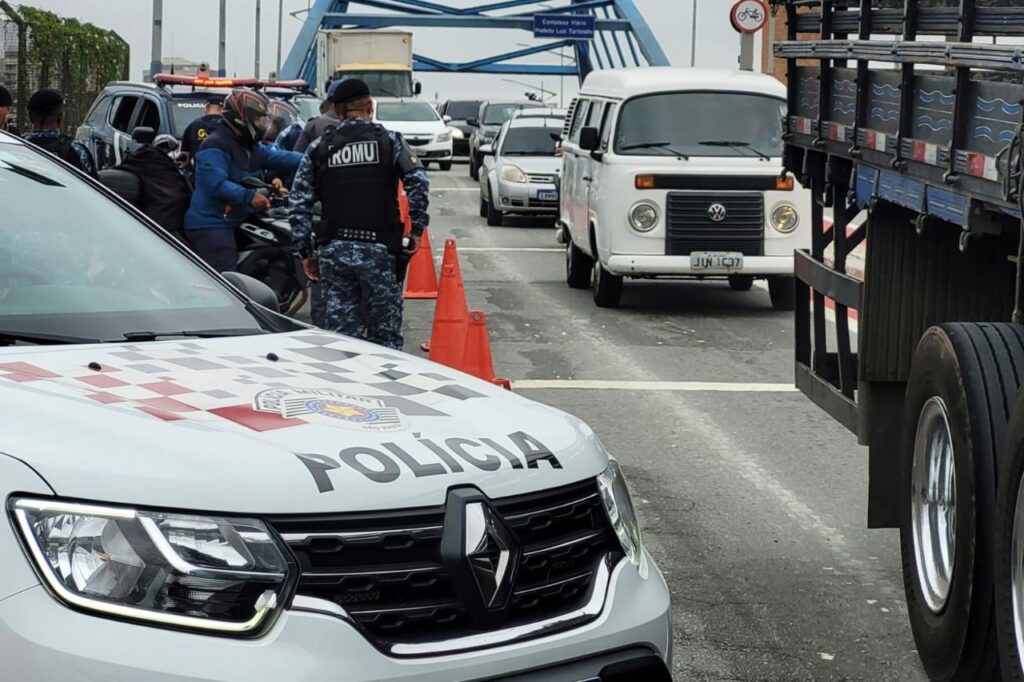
619	506
512	173
445	136
203	573
785	218
643	216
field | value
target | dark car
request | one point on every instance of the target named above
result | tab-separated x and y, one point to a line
486	124
167	106
457	114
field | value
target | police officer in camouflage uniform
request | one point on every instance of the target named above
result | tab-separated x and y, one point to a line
354	172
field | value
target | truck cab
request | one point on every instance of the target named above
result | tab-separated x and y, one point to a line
383	59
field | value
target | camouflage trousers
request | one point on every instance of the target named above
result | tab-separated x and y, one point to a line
362	296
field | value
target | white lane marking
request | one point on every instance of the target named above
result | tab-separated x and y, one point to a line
684	386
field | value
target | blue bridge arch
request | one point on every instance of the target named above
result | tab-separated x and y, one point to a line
622	39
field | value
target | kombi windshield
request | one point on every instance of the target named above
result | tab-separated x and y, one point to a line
74	263
715	124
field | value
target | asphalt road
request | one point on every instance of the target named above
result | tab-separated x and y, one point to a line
752	502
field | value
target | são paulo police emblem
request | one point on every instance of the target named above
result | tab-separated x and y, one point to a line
365	414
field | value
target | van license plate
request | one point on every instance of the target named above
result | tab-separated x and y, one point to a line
547	195
716	261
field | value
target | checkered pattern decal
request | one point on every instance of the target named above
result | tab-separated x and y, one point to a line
187	380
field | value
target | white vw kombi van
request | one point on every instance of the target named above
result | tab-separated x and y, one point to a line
678	173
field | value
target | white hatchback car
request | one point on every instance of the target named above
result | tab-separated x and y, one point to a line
520	169
422	127
678	173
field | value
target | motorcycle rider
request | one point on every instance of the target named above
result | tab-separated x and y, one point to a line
46	111
231	153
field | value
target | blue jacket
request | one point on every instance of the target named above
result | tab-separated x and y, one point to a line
219	200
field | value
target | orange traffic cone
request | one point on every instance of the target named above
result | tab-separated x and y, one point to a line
451	258
422	278
451	317
476	357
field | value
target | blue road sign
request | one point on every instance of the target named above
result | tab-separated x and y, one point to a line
564	26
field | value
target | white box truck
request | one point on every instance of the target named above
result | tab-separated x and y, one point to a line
381	58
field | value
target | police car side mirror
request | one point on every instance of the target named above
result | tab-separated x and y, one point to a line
253	289
143	135
590	139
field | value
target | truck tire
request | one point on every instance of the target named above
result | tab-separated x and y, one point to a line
1009	566
963	379
494	216
578	267
607	287
741	282
782	292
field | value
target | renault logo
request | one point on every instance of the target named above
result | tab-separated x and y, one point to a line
717	213
489	552
481	555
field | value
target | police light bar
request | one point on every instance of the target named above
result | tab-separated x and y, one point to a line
289	85
204	81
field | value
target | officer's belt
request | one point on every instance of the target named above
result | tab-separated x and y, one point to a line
351	234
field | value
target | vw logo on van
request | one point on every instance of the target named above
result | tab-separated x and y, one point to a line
717	213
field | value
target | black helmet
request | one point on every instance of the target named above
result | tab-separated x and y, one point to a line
249	110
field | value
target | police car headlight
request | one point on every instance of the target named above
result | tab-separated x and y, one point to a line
444	137
643	216
512	173
785	218
212	574
619	507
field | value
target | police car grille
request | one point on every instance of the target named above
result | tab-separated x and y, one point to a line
385	570
691	229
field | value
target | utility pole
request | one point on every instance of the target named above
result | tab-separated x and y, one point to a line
280	30
256	70
156	58
222	68
693	39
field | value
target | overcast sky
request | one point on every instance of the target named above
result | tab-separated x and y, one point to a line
190	32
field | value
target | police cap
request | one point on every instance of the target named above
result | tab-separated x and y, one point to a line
215	100
350	90
45	102
5	97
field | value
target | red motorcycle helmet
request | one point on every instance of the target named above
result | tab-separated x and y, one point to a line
248	110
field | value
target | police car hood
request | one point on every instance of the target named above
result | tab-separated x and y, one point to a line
303	422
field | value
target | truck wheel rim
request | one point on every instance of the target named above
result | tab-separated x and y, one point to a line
933	504
1017	571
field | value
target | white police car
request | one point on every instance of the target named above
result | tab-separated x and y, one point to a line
198	489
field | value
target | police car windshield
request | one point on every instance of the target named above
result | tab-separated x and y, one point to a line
755	120
406	111
536	141
183	112
74	263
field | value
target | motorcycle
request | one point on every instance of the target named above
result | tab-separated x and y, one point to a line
264	243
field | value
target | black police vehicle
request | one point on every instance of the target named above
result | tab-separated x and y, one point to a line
168	106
